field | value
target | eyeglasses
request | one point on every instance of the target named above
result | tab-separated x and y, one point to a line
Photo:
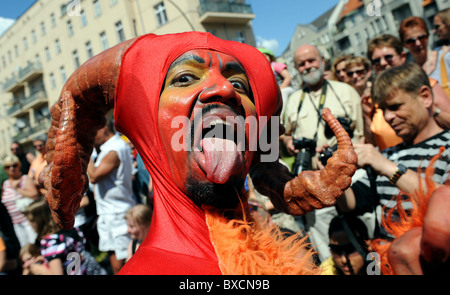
388	58
357	72
342	249
12	165
339	71
413	40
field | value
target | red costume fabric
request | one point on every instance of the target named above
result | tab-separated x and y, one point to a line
179	241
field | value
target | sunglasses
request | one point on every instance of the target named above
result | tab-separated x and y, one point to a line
342	249
413	40
357	72
9	166
388	58
339	71
38	146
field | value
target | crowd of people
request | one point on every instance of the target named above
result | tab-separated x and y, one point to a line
396	111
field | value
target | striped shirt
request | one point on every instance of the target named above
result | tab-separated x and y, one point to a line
412	157
9	197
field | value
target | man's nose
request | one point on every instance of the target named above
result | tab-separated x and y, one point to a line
220	90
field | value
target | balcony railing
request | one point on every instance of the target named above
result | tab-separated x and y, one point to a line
212	6
30	132
10	82
26	101
31	70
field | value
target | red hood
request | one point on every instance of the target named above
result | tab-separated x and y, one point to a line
178	226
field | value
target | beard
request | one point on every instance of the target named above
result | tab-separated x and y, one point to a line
313	75
222	196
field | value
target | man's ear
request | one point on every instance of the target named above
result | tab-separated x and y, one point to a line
426	94
403	57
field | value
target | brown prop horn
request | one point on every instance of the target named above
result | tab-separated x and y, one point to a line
76	117
310	190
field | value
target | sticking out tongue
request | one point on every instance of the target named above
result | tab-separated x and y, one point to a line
222	158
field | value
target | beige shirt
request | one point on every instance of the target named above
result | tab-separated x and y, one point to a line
305	123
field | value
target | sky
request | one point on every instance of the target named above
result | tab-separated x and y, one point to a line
274	24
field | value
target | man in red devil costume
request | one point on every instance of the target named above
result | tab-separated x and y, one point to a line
160	86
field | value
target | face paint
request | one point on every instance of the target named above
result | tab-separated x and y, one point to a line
211	91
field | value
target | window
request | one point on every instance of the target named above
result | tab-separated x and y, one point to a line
70	27
52	80
379	25
25	43
358	38
90	53
119	30
16	50
47	53
83	18
104	40
113	2
33	36
53	20
76	59
97	8
160	12
58	46
240	37
43	31
63	74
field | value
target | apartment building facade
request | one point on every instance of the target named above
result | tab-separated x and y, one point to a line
45	45
349	25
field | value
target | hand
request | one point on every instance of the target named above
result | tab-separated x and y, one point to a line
426	249
316	160
289	143
369	155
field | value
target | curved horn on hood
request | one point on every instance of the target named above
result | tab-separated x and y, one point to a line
310	190
76	117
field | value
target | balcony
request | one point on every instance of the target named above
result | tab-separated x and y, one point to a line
29	72
29	133
225	12
24	104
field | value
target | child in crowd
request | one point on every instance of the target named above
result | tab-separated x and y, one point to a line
63	251
138	218
30	254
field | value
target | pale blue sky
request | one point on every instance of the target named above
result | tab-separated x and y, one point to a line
275	20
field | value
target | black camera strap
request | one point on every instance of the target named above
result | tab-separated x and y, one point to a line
340	101
318	109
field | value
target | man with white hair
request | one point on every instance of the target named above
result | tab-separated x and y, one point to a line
303	123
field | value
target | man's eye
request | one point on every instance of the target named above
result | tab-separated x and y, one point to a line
184	80
239	85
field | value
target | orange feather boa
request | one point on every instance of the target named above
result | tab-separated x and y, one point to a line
246	247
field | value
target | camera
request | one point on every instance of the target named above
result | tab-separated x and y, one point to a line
305	143
345	122
326	154
307	149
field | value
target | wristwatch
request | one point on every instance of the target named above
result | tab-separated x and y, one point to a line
399	171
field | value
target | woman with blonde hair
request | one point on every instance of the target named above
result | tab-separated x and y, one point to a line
18	191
